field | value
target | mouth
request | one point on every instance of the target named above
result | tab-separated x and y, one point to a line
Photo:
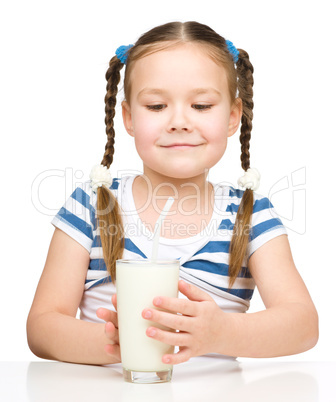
181	146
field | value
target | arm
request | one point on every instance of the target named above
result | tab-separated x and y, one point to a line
53	331
289	324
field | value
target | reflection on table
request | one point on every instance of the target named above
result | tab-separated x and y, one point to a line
201	379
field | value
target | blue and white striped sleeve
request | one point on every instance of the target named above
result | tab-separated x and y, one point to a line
266	224
77	216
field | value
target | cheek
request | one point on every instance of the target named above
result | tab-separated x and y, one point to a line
217	133
142	144
217	124
145	136
219	149
144	127
217	138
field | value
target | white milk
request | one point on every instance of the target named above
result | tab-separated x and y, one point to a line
138	282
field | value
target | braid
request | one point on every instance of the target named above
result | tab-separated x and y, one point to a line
245	88
112	77
111	227
241	231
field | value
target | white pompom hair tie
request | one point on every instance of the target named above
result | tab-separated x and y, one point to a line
250	180
100	176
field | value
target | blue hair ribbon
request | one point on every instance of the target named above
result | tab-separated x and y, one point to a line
122	53
233	51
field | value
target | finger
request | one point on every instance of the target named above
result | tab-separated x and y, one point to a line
168	337
113	350
107	316
114	301
193	293
175	305
183	306
169	320
180	357
111	332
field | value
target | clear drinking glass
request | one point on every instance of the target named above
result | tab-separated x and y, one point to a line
138	282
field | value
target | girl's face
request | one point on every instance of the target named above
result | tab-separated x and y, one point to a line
180	112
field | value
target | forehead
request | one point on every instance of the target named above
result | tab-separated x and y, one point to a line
182	67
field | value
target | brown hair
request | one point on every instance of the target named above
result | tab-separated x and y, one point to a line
240	81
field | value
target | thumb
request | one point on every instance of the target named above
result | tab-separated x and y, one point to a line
193	293
114	301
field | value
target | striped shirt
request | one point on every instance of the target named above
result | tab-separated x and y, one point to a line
203	257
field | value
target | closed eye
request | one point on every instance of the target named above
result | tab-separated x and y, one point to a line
201	107
156	108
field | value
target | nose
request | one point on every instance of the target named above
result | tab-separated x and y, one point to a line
179	121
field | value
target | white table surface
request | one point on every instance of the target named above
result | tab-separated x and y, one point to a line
200	379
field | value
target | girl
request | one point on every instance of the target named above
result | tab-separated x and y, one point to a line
187	90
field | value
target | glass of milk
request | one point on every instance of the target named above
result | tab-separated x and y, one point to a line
138	283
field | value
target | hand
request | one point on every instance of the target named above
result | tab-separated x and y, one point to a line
200	323
111	329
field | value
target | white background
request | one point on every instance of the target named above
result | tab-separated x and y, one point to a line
54	55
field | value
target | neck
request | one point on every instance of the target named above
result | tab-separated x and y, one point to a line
189	193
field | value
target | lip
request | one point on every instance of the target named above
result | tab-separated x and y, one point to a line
180	146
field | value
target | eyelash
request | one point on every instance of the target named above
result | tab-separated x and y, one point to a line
159	108
155	108
202	107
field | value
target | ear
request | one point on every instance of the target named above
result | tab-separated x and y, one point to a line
235	116
127	118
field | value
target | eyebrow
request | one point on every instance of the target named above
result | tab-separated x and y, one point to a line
196	91
201	91
151	91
